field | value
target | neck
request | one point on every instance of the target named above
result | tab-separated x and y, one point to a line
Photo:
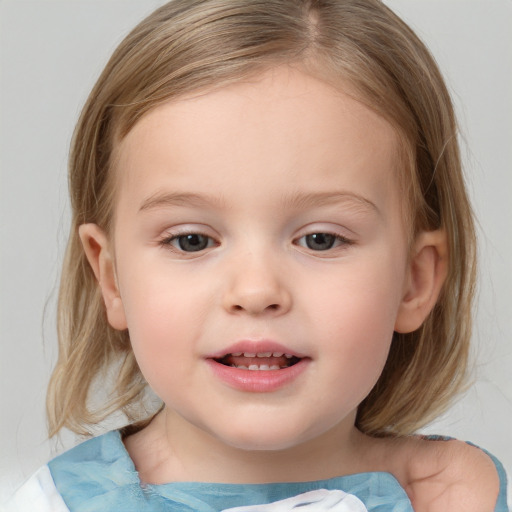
171	449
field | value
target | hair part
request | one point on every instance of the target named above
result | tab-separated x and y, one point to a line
188	46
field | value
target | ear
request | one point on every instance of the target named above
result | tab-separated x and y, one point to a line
428	268
97	249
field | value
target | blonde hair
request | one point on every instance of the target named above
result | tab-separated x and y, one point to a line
188	45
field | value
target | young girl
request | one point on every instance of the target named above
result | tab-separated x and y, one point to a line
271	231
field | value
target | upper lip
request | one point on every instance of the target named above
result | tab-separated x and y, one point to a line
255	347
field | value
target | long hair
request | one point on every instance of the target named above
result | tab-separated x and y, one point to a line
191	45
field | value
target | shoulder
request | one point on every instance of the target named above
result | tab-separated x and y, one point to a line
442	475
76	469
37	494
99	474
103	447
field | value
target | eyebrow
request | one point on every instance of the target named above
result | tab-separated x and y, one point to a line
296	200
309	200
166	199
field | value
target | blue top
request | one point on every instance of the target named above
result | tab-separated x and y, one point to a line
100	475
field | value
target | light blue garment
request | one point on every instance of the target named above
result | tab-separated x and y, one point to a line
98	475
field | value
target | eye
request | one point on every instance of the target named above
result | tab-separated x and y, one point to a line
321	241
189	242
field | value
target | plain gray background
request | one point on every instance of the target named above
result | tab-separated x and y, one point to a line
51	53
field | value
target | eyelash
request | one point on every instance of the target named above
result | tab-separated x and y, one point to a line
337	241
168	241
334	241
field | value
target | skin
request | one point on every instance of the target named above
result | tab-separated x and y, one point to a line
256	168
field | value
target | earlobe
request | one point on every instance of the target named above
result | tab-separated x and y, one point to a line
428	268
98	252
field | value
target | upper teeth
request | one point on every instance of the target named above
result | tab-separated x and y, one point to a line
257	367
261	354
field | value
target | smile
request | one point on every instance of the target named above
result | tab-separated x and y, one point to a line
260	361
258	366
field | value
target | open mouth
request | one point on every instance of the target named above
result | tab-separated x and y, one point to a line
258	361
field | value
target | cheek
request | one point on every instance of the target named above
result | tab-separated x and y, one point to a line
156	299
365	298
160	320
358	314
361	335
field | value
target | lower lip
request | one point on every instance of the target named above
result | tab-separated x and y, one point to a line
257	381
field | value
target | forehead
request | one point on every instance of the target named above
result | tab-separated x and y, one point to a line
284	127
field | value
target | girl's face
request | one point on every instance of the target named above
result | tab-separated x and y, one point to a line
262	219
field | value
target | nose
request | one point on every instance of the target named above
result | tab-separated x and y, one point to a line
256	286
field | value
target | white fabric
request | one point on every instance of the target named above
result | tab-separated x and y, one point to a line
313	501
37	494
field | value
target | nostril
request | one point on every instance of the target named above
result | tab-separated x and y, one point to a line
256	300
271	307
